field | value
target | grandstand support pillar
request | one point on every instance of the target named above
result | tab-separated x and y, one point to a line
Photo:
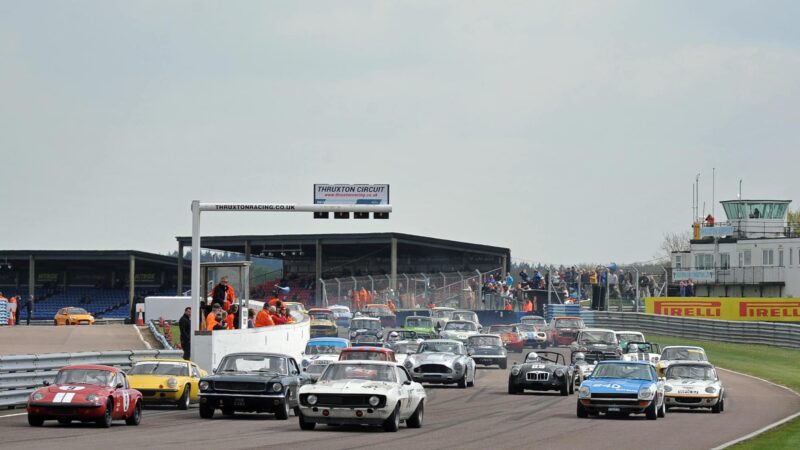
131	279
247	250
180	269
318	273
504	270
32	279
393	265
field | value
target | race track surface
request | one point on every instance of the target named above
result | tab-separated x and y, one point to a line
24	340
476	418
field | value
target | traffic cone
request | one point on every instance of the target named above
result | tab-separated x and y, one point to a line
140	320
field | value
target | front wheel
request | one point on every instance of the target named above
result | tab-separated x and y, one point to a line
136	417
285	410
564	389
581	411
650	412
306	425
503	364
512	389
662	412
183	403
105	421
719	407
35	421
415	421
392	423
206	412
462	383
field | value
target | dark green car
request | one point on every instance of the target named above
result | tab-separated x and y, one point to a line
422	325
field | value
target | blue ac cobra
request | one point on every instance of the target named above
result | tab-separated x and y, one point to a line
622	388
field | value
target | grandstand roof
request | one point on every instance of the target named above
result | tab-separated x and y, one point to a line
88	255
237	243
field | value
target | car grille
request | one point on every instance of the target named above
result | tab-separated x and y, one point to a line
615	395
688	399
537	376
433	368
238	386
347	401
148	392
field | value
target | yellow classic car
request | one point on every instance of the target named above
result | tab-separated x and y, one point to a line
73	316
322	323
170	381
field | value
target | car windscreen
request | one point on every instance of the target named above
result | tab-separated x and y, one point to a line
535	322
485	341
440	314
628	337
253	363
160	368
689	354
320	316
440	347
460	326
419	322
372	372
597	337
363	356
316	369
324	348
631	371
77	311
357	324
85	376
501	329
690	372
465	315
569	323
526	327
379	310
406	348
633	347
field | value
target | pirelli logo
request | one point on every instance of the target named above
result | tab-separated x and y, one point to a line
770	310
688	308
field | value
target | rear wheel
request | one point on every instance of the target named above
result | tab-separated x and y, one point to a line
35	421
136	417
581	411
415	421
206	412
392	423
105	421
183	403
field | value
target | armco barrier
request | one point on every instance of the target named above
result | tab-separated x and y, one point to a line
766	333
22	374
159	337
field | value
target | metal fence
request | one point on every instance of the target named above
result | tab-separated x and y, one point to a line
739	332
22	374
457	289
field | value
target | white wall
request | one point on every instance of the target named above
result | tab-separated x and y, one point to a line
170	308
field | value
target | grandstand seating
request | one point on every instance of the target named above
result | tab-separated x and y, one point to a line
296	292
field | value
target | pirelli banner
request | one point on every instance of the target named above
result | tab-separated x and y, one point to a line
727	308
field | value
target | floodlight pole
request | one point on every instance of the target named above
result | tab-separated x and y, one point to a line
198	207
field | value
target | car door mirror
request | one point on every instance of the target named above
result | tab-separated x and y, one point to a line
119	386
45	383
407	382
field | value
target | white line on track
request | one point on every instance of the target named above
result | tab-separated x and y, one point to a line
142	338
766	428
13	415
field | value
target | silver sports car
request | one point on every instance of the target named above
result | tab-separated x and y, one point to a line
442	361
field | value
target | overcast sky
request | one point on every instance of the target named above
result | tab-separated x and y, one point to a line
567	131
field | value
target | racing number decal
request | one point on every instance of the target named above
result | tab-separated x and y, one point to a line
126	401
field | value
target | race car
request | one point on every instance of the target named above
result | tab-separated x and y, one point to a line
365	330
542	371
341	315
319	353
679	353
459	330
531	335
370	393
597	344
510	335
404	348
564	330
367	353
472	316
641	351
421	325
622	387
322	323
440	316
73	316
627	336
170	381
487	350
383	312
86	393
442	361
694	385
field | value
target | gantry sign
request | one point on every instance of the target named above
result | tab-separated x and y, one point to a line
339	210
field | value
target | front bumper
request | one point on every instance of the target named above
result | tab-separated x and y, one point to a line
553	384
346	416
324	332
160	395
77	411
438	378
489	360
691	400
243	402
612	406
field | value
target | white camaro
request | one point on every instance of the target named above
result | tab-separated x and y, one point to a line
374	393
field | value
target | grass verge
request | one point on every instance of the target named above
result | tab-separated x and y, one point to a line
778	365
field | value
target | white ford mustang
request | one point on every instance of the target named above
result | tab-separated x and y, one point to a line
375	393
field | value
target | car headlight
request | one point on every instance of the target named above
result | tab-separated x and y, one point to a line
312	399
37	396
458	366
204	385
711	390
667	388
408	364
584	392
306	363
172	383
559	373
277	387
353	334
92	398
647	393
374	400
515	370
